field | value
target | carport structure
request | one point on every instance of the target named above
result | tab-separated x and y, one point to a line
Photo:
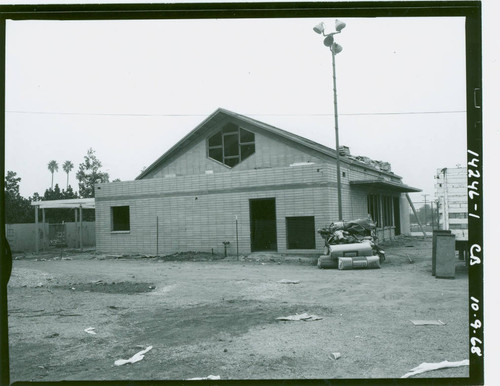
78	204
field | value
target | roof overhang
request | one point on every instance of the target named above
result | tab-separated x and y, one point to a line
74	203
385	185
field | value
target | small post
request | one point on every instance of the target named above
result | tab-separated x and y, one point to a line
76	225
237	244
43	230
81	236
156	236
36	229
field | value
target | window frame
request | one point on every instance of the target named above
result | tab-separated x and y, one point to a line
114	223
231	130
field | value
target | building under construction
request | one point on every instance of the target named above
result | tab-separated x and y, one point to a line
238	183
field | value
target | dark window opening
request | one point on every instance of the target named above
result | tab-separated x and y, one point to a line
458	226
247	151
120	218
215	140
381	209
231	161
246	136
230	128
458	215
397	214
373	208
388	210
300	232
231	145
215	153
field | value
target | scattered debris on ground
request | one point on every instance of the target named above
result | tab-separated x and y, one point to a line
305	317
285	281
191	256
136	358
121	287
428	322
90	330
117	308
210	378
424	367
334	355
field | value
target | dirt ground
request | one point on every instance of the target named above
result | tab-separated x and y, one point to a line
207	315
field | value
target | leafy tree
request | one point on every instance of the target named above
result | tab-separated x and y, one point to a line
67	167
426	215
58	194
17	208
36	197
59	215
12	183
53	167
89	174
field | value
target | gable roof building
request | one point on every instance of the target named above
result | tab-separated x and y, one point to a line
238	180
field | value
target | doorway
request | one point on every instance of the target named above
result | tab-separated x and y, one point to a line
263	224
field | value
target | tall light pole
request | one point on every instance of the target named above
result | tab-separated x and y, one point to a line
335	49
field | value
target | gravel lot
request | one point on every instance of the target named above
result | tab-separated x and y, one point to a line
206	315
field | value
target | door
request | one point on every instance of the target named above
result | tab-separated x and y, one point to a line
263	224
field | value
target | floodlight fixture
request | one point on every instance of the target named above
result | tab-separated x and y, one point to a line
334	47
328	41
339	25
319	28
337	48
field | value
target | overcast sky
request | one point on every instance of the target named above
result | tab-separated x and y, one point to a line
132	89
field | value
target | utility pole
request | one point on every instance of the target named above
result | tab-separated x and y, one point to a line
425	208
437	209
432	214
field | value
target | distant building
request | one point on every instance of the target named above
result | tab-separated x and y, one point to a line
234	179
451	195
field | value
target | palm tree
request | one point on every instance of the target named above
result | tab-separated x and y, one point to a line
67	167
53	167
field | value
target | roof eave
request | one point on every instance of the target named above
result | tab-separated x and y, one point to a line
401	188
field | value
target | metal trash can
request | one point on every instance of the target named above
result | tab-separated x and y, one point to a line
436	233
445	256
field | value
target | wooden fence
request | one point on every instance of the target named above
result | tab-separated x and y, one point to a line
21	237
